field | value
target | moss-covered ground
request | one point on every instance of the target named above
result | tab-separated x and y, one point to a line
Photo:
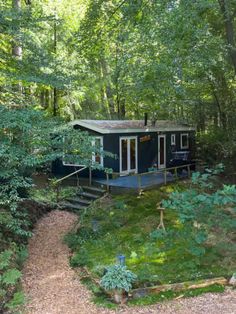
126	225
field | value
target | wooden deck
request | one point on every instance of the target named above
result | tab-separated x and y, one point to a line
144	181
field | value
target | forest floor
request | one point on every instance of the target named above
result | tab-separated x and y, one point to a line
52	287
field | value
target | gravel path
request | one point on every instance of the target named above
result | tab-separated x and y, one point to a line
52	287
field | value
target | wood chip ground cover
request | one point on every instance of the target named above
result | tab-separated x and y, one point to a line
52	287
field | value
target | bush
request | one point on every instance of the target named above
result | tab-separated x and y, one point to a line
217	145
79	259
9	276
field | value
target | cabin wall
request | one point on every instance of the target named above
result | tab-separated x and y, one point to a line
147	151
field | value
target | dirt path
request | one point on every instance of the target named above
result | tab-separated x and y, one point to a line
52	287
49	283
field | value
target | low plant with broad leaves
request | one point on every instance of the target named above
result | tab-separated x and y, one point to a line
118	279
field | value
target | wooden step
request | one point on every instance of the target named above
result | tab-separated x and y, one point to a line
88	196
78	200
93	189
71	206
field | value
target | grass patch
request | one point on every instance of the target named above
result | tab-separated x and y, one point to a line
48	194
127	224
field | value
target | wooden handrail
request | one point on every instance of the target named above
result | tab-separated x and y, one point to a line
69	175
158	170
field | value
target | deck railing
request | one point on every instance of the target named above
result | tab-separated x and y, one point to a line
164	171
57	183
139	176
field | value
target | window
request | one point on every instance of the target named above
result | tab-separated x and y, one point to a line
173	139
97	157
71	155
184	141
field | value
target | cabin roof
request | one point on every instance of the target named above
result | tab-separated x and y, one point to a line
131	126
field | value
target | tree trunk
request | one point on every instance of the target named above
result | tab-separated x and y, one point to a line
121	108
55	101
47	99
42	98
110	100
55	94
229	30
16	47
108	90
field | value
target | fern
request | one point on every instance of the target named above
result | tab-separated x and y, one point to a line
11	276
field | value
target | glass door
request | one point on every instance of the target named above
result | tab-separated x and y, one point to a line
128	155
161	151
124	155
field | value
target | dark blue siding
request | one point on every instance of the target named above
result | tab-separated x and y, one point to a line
147	151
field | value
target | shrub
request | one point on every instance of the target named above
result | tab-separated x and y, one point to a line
79	259
9	277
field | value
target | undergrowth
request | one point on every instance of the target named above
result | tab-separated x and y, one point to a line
126	224
191	247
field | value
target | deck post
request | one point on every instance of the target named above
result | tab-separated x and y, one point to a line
107	177
165	176
90	176
77	180
139	184
189	172
57	193
176	174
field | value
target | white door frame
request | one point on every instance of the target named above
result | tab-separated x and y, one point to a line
128	138
159	152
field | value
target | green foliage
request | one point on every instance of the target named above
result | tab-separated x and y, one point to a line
28	140
5	258
118	277
202	208
109	59
72	240
80	258
9	277
212	146
188	250
102	301
17	301
99	298
49	193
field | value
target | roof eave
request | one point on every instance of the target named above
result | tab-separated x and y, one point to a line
139	130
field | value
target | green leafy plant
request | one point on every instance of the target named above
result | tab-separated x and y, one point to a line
9	277
118	279
81	258
17	300
201	209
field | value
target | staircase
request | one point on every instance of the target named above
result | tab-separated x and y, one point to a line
83	198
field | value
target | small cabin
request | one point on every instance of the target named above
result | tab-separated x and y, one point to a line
138	144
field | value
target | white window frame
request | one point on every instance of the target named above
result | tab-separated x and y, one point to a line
124	172
173	139
181	140
93	156
101	145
